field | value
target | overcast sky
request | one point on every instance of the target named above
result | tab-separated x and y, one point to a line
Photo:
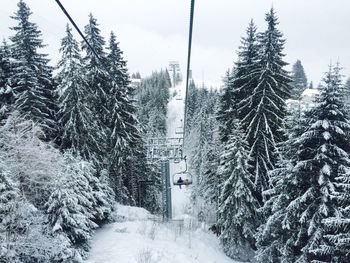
153	32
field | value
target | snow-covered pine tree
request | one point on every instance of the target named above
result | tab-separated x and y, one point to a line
270	247
151	193
192	104
32	76
102	195
95	74
6	92
77	124
265	107
299	83
226	110
116	63
238	218
239	84
127	153
311	202
71	207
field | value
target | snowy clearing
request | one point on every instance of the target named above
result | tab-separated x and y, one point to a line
139	237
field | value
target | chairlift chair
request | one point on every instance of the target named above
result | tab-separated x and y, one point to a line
182	178
179	130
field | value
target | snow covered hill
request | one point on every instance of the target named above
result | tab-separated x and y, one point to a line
139	237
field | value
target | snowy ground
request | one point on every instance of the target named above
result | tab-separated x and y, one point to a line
138	237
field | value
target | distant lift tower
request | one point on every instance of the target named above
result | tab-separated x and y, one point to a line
174	68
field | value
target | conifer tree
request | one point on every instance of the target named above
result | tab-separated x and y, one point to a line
309	214
76	122
32	77
6	91
239	84
238	207
226	109
126	151
263	110
299	83
96	76
71	207
116	63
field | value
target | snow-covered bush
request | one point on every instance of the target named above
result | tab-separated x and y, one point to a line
145	256
28	160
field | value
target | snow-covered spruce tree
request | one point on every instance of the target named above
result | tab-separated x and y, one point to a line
239	84
264	108
299	83
23	237
6	92
151	193
203	133
70	207
238	218
245	77
127	159
227	109
192	104
117	64
95	74
102	195
32	77
202	149
270	246
210	181
76	122
310	218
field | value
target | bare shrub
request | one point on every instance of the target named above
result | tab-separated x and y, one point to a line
145	256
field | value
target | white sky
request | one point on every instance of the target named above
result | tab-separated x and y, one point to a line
153	32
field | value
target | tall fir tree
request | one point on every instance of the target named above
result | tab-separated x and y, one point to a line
76	123
70	208
32	76
238	217
239	84
126	151
310	212
99	86
116	63
226	108
96	75
264	108
299	80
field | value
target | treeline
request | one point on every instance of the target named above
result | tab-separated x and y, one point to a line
282	169
70	143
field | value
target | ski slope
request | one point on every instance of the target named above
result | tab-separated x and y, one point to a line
139	237
180	197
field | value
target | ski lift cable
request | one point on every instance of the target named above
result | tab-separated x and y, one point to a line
84	38
188	68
